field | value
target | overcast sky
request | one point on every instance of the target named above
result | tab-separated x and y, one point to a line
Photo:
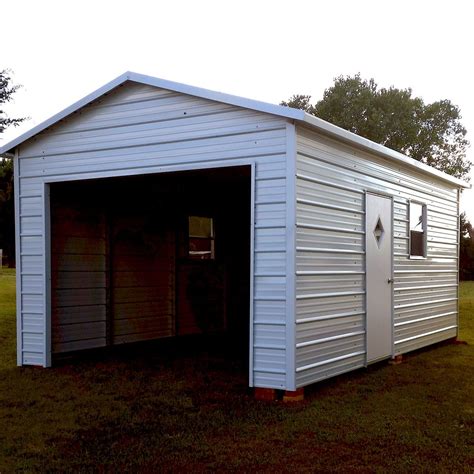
265	50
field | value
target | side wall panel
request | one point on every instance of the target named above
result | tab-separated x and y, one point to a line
143	279
78	276
330	275
138	129
31	273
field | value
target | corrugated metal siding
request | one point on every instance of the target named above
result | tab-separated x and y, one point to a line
141	129
142	281
78	277
330	280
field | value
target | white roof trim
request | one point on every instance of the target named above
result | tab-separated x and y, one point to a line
369	145
287	112
8	148
153	81
219	96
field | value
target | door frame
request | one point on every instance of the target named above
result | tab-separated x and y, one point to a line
46	227
392	315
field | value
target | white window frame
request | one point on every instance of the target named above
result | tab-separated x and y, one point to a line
212	239
424	210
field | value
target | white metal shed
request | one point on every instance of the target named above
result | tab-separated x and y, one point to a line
347	251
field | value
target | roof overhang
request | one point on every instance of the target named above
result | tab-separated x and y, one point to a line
380	150
298	116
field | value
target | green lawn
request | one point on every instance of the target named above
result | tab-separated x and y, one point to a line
149	412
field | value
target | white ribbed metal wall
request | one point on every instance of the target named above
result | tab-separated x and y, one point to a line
331	180
139	129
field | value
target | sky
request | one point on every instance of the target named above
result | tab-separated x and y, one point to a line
265	50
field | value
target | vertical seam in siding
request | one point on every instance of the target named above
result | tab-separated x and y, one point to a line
392	268
365	283
290	256
457	254
47	275
251	290
19	315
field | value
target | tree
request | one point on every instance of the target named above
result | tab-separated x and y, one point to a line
299	101
430	133
7	221
6	95
466	249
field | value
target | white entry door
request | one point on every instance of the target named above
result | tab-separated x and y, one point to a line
378	239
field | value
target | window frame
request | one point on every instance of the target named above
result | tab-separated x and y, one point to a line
211	239
424	211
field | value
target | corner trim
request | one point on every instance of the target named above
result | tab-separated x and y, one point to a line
291	147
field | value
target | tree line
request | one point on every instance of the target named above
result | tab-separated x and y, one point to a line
466	249
7	219
430	133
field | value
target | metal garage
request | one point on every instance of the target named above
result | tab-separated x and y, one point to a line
153	209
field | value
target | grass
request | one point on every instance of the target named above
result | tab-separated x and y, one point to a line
150	411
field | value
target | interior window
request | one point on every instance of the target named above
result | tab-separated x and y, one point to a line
201	238
417	229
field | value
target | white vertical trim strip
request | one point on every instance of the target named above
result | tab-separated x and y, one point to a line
392	271
364	240
290	256
457	254
47	275
19	316
252	258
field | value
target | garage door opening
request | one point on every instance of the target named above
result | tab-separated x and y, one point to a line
151	257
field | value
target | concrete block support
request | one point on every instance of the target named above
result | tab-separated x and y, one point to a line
265	394
293	396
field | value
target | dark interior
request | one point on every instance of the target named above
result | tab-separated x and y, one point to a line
151	258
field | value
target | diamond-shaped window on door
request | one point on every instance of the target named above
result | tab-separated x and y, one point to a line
378	232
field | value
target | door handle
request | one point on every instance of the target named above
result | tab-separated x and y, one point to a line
390	280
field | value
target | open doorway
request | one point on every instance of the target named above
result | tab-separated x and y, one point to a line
151	257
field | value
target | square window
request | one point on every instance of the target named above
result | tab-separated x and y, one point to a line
417	230
201	238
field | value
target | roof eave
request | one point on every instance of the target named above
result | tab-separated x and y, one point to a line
10	146
368	145
278	110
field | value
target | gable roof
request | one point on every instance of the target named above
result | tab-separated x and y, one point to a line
297	115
